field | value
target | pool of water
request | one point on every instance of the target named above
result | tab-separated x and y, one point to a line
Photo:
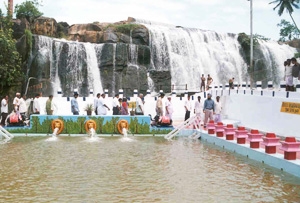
136	169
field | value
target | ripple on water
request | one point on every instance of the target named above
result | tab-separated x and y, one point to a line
141	169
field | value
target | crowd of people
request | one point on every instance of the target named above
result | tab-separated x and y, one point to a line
164	109
291	73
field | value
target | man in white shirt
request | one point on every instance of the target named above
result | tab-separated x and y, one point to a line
4	110
139	109
36	104
102	107
218	109
96	103
23	107
187	106
198	109
169	107
116	105
159	105
16	101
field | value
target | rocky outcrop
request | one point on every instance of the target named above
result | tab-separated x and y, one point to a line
45	26
124	56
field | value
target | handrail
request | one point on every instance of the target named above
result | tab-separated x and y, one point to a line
174	132
5	133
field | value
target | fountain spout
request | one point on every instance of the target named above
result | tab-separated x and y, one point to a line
92	132
124	131
55	132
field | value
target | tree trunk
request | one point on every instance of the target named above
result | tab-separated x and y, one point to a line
294	23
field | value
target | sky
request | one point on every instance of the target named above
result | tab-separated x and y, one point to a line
222	16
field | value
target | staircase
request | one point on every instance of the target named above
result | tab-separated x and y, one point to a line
5	134
173	133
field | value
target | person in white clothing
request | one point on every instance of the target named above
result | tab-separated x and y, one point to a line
198	109
169	107
96	103
139	109
4	110
16	101
159	105
102	107
36	104
116	105
23	107
188	107
218	109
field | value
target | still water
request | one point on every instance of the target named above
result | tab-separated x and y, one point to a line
136	169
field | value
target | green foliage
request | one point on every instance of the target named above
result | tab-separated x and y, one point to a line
287	31
28	10
10	60
261	37
297	55
124	28
287	5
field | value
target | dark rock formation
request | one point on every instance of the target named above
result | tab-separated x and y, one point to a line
19	27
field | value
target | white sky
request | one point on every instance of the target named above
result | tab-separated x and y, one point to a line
229	16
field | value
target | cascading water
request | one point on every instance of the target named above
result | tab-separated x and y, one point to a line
92	63
274	56
72	65
188	53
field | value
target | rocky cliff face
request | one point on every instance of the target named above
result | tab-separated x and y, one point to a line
123	60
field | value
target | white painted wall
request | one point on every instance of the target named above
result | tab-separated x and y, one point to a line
263	113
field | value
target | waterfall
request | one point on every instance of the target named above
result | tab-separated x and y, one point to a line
92	63
72	65
187	53
274	56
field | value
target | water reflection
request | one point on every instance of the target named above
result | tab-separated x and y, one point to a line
144	169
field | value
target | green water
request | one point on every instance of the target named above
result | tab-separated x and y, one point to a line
139	169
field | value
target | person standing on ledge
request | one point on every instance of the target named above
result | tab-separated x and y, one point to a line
74	104
209	81
4	110
231	86
208	109
202	83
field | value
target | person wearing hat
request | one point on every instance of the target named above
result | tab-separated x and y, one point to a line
159	105
74	104
16	101
102	107
208	109
169	107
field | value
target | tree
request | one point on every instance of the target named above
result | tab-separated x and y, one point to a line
288	6
288	31
28	10
10	60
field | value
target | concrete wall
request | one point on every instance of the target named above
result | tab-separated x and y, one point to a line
263	113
